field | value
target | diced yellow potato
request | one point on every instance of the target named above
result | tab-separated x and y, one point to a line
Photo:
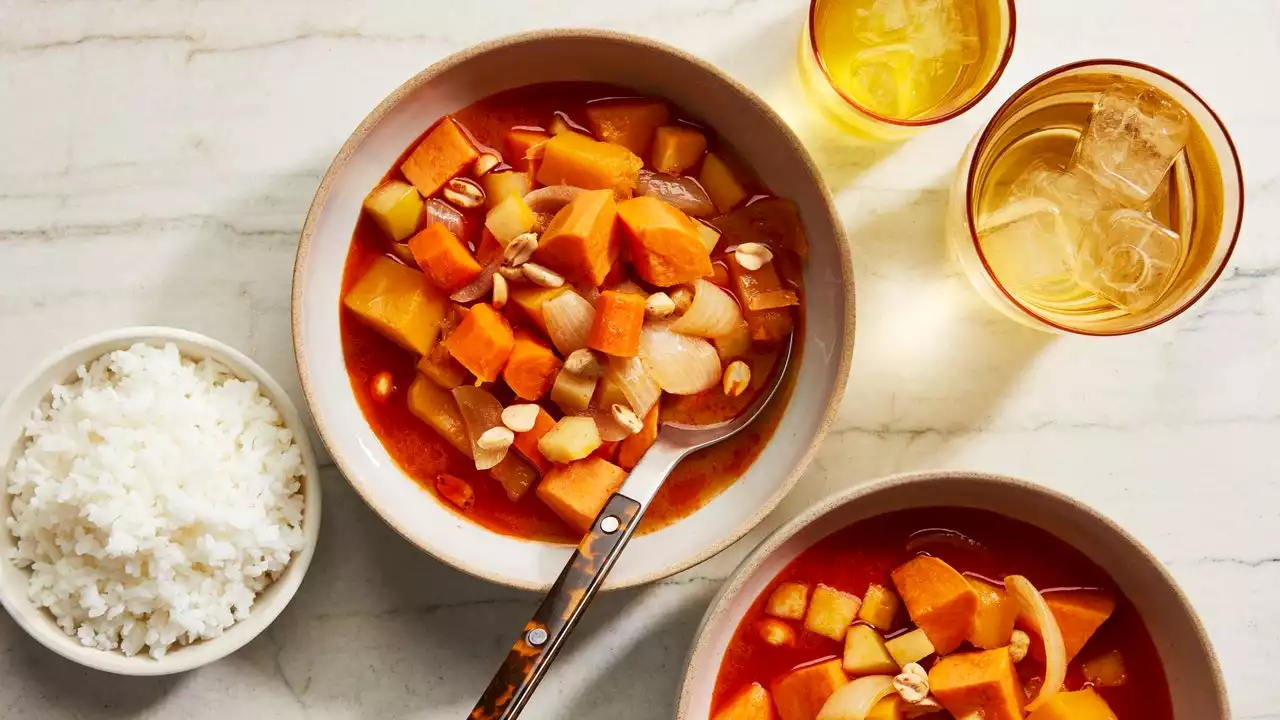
831	612
1106	670
788	601
399	302
609	392
708	235
721	185
434	406
889	708
751	703
509	218
396	207
776	633
879	607
909	647
1079	705
560	125
997	612
573	438
440	367
865	653
572	392
498	186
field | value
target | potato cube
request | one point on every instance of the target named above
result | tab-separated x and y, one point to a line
436	407
529	299
400	303
721	185
801	693
440	367
776	633
997	613
831	612
979	684
751	703
577	492
788	601
509	218
498	186
709	236
1079	705
1106	670
865	653
573	438
396	207
909	647
572	392
889	708
879	607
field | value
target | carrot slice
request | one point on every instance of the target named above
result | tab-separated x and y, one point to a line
482	342
531	368
635	446
444	259
527	442
616	329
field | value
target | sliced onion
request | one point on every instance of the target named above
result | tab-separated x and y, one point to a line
589	292
610	430
439	211
855	700
551	198
714	313
480	412
1035	611
641	391
683	192
680	364
568	317
735	344
478	288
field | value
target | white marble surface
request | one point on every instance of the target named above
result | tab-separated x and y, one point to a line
156	162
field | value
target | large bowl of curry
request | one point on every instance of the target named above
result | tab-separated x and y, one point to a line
488	206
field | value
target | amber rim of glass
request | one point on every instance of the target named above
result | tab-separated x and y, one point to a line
973	171
926	122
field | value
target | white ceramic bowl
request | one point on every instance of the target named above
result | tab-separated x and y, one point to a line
737	115
1191	667
60	368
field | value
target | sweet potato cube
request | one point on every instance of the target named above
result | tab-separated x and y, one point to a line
396	207
573	438
997	613
400	303
720	183
865	653
978	684
531	368
447	263
1106	670
524	147
574	159
909	647
616	328
677	148
526	443
889	708
634	447
440	367
1079	705
789	601
801	693
663	244
482	342
442	154
879	607
750	703
527	300
1079	614
629	122
577	492
436	407
579	243
938	599
831	612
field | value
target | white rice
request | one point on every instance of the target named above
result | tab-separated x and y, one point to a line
155	498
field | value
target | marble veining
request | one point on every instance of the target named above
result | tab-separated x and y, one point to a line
157	159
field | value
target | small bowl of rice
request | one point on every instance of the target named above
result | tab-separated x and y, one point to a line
159	501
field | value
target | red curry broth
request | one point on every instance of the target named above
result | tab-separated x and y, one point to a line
423	454
976	543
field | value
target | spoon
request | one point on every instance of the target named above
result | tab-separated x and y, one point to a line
545	633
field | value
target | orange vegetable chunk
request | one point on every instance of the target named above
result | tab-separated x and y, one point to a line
1079	614
526	443
801	693
1079	705
442	154
938	599
400	303
578	491
634	447
526	301
662	242
442	256
677	148
616	328
994	621
524	147
769	326
720	183
574	159
978	684
531	367
628	122
889	708
579	243
482	342
751	703
759	289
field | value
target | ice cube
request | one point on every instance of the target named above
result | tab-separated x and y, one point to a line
889	15
1131	262
1027	245
1074	193
944	30
880	79
1132	137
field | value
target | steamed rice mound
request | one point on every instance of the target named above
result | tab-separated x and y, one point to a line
155	498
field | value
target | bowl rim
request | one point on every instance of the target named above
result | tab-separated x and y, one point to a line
180	658
733	586
426	76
